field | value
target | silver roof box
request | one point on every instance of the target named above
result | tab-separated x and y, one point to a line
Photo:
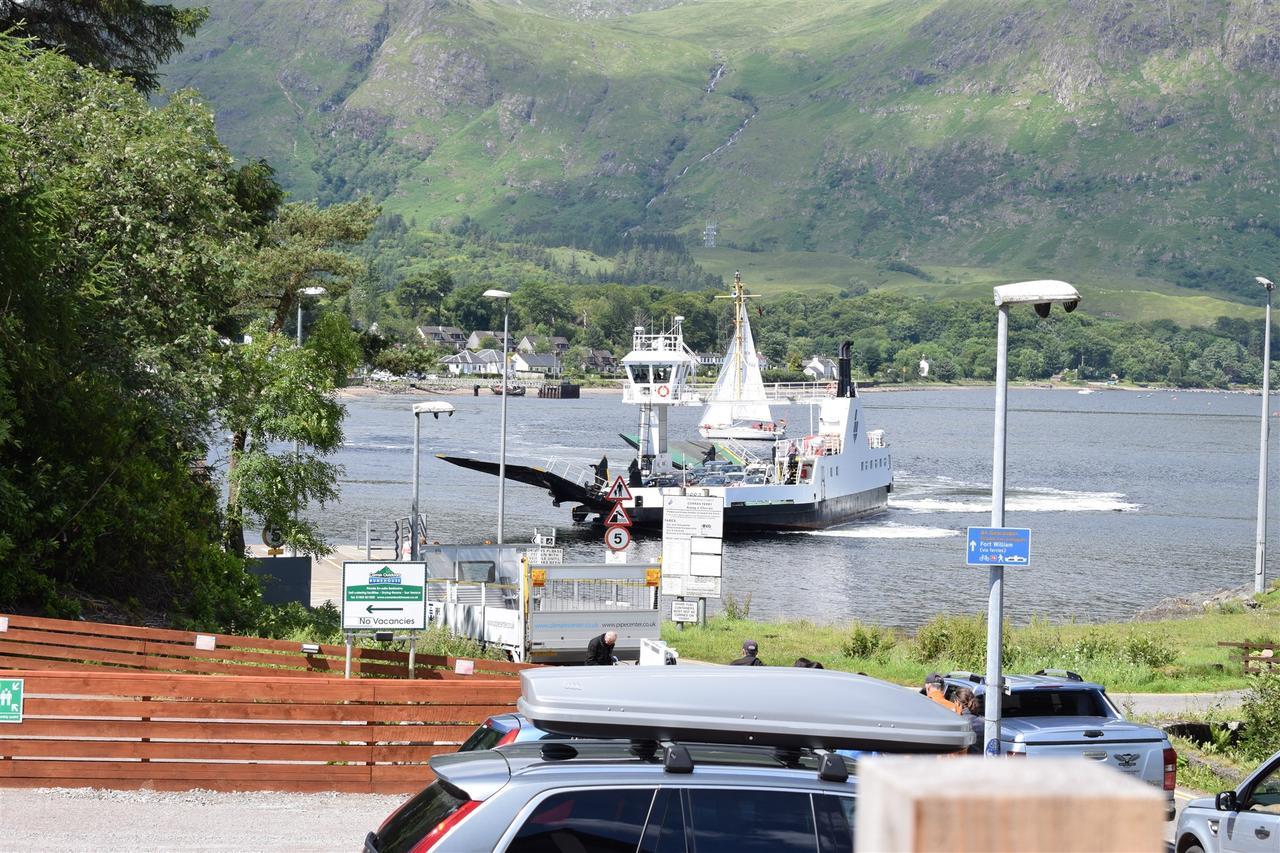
774	706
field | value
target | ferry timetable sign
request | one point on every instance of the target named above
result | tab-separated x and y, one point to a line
382	596
998	546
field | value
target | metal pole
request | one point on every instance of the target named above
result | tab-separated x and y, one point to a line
346	673
502	440
413	523
995	578
1260	553
413	657
297	445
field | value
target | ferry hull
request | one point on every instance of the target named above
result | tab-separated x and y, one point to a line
817	515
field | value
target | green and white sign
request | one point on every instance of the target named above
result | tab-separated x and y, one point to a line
384	596
10	700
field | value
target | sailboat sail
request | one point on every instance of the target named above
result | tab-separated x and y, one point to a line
738	394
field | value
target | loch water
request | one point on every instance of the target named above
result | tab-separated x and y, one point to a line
1131	497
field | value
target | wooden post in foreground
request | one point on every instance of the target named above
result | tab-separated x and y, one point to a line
966	805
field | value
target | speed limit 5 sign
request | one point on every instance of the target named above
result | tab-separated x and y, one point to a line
617	538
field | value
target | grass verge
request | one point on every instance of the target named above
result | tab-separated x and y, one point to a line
1170	656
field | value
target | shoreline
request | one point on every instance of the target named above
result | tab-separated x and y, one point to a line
390	389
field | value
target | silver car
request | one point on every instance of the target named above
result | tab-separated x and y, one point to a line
712	759
1245	819
603	796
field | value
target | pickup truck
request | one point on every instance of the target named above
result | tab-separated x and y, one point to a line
1057	714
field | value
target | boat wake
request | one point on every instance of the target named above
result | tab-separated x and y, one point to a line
1022	500
886	530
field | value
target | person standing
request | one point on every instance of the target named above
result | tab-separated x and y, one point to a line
750	652
600	649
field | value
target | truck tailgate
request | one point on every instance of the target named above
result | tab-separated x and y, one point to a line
1130	748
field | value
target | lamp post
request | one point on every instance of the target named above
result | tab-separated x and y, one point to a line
502	434
1041	294
302	293
1260	551
435	408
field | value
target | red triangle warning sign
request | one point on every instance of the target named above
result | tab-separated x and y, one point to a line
619	491
618	518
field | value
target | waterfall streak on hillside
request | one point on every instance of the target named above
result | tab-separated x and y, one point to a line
733	137
715	78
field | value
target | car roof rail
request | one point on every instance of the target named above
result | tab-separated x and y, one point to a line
747	706
965	675
1060	673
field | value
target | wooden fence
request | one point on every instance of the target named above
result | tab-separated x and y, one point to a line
239	733
1255	657
28	642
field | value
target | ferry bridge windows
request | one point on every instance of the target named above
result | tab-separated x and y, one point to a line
662	373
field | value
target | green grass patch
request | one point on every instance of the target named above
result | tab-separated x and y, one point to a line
1171	656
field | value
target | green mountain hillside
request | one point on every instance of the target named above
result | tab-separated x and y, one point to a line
1135	139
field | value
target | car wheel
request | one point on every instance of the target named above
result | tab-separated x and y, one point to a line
1192	848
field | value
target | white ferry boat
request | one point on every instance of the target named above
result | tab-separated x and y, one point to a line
839	472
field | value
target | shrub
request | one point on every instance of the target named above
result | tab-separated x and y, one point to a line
959	639
1261	717
1092	646
865	641
1147	650
736	610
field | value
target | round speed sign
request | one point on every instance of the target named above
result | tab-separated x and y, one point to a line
617	538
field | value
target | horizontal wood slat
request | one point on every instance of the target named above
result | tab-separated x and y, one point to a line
239	732
35	642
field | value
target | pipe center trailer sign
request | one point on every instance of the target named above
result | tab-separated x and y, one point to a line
383	596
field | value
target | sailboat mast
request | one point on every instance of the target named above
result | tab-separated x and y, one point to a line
738	367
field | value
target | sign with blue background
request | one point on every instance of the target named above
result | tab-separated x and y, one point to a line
998	546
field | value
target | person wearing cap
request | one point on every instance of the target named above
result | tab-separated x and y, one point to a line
934	688
749	652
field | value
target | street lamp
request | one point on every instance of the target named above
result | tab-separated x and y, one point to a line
1041	295
297	445
1260	551
502	436
435	408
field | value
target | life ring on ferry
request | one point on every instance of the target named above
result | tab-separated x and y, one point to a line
663	390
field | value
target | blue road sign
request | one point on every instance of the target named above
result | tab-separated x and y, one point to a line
998	546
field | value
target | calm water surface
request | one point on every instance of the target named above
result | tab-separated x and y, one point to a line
1130	497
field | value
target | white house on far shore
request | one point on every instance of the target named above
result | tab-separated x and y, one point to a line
821	368
467	363
529	362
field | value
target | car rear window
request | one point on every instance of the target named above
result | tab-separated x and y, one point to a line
408	824
485	737
751	821
1054	703
603	821
835	823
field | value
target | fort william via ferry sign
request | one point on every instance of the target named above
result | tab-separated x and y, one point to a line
998	546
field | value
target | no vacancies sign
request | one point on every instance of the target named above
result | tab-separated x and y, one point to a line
384	596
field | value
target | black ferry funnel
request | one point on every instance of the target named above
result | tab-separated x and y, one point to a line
845	386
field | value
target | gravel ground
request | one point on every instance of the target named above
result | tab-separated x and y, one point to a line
90	819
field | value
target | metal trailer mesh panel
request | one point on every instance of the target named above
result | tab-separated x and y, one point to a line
604	594
494	594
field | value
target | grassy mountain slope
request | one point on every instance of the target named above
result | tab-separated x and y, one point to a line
1129	141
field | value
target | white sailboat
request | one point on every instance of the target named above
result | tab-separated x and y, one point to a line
737	408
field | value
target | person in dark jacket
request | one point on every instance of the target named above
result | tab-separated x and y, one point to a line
600	649
749	652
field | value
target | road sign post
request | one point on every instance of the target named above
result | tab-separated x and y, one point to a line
11	700
617	536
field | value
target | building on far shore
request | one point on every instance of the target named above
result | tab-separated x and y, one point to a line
450	337
821	368
532	362
477	338
466	363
